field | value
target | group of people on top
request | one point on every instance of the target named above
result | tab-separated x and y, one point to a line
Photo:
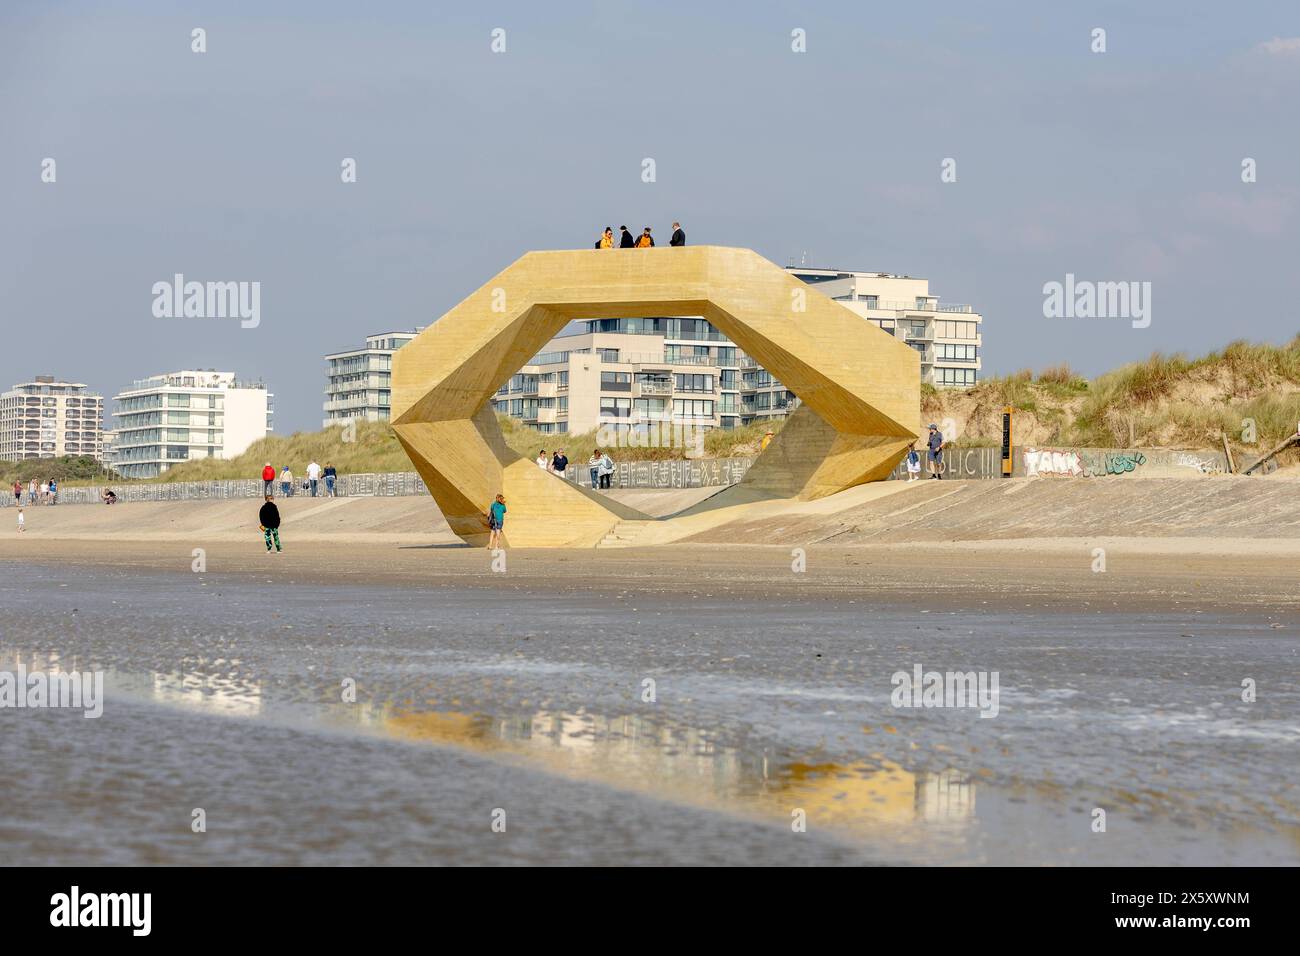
643	241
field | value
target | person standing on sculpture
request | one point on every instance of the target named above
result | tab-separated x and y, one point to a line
626	242
679	237
606	240
645	241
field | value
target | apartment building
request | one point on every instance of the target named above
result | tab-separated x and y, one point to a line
634	373
186	415
947	335
628	374
48	418
359	381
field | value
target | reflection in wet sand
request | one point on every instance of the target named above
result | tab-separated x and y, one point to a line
683	764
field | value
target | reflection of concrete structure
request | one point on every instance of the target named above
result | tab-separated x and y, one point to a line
860	388
685	763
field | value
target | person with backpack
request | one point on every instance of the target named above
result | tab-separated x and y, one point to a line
646	241
626	242
934	455
496	516
913	460
605	468
269	524
606	240
679	237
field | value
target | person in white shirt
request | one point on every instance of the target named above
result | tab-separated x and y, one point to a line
22	523
313	476
606	469
543	462
31	492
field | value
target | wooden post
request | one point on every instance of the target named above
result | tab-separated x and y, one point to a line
1227	453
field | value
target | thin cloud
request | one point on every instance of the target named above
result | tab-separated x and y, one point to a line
1281	46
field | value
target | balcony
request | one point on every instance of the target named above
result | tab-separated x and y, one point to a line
546	389
654	388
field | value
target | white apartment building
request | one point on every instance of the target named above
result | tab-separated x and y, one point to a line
359	381
181	416
46	418
947	335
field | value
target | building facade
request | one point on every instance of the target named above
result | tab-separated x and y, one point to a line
182	416
359	381
46	418
948	336
638	374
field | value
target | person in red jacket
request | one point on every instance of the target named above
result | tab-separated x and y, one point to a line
268	480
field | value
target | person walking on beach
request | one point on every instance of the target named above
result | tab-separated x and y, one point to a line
22	522
286	482
606	240
45	492
54	491
645	240
626	242
934	455
496	521
559	463
18	492
679	237
606	469
31	492
269	522
331	476
593	468
268	479
313	476
913	462
543	462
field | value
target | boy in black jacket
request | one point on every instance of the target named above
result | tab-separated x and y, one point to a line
269	522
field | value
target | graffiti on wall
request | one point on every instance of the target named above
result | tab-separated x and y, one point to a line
1087	463
1048	462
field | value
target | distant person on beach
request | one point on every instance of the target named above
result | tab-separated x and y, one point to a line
626	242
645	240
913	460
18	492
934	454
606	240
767	440
496	521
108	496
679	237
559	463
593	468
269	523
22	522
543	462
286	482
331	476
268	479
45	492
54	491
606	468
31	492
313	476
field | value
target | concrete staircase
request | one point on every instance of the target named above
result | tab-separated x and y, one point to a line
624	534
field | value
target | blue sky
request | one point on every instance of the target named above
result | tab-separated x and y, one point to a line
1123	165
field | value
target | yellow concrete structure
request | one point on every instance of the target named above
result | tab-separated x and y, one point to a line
859	387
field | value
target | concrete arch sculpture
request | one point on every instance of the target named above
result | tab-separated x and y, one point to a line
859	386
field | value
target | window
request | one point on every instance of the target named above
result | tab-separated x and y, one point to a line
616	381
616	407
726	355
608	355
954	376
694	383
692	408
729	378
873	301
651	408
948	352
